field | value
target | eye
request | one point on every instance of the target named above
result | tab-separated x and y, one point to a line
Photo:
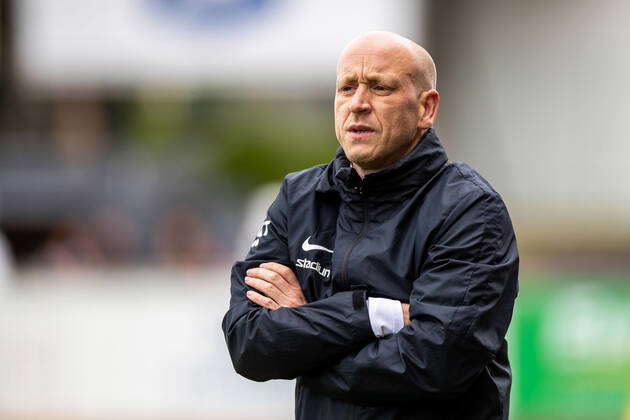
381	88
346	88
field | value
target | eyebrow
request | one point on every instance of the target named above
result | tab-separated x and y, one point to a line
370	77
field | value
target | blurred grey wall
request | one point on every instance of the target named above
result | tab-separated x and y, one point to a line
535	96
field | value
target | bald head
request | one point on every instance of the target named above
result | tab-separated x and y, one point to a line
416	61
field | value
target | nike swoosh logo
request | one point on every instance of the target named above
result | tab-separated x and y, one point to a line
312	247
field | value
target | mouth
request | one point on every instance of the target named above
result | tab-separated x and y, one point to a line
360	130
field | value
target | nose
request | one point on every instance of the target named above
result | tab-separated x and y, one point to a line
360	101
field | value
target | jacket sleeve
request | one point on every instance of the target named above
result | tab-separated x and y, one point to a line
460	308
285	343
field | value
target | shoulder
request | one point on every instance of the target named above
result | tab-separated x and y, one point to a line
460	180
463	194
475	212
295	187
303	182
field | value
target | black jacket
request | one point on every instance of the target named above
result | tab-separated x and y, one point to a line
423	231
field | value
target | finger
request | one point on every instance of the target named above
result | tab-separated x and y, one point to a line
405	309
294	293
271	277
284	271
261	300
267	288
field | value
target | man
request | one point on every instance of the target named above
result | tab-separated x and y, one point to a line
383	281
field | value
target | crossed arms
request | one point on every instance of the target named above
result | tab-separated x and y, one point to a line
451	333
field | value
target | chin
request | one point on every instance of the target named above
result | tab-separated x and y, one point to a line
360	157
358	152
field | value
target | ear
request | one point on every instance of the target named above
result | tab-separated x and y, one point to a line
429	104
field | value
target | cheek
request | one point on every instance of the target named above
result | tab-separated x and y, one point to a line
340	116
337	123
390	119
400	120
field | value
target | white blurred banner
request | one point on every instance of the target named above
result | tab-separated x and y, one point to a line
275	44
125	344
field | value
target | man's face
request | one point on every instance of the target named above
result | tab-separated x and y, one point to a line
377	106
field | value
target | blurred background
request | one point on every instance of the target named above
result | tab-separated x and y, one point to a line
141	141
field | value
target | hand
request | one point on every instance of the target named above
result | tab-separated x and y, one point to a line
405	309
279	285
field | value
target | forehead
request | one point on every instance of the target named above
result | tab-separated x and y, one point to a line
375	60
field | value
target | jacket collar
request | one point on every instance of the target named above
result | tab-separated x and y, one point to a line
413	170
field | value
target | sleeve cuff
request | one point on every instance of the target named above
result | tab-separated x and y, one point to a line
386	316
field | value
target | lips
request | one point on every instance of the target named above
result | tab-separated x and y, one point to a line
360	128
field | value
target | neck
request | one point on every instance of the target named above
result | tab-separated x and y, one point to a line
362	172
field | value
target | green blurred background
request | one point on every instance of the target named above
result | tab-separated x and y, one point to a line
569	348
141	141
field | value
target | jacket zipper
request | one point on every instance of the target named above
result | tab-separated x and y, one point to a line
345	283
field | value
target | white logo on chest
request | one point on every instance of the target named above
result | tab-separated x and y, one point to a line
312	247
313	265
